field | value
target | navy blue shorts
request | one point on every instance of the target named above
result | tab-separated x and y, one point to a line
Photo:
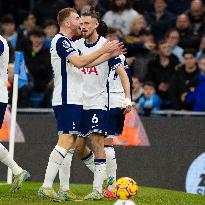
69	118
95	121
116	122
2	112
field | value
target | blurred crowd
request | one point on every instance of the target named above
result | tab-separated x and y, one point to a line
165	41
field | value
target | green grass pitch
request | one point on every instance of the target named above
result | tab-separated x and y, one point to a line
147	196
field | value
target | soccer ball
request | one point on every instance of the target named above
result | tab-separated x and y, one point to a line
125	188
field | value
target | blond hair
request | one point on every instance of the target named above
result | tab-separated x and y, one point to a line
64	13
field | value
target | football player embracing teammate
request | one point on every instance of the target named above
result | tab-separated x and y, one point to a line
96	107
66	60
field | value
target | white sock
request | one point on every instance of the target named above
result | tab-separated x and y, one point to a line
55	160
99	174
8	161
111	163
89	162
64	171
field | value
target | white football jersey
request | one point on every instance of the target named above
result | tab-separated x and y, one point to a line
117	95
124	202
67	78
95	80
4	61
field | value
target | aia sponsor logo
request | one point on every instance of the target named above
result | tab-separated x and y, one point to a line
89	71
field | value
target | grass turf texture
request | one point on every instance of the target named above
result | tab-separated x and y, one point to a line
146	196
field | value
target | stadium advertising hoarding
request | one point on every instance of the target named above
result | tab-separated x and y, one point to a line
195	179
174	144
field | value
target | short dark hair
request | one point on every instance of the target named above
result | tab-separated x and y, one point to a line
170	31
64	13
49	22
145	32
37	31
112	30
92	13
114	8
102	29
149	83
165	1
25	14
189	51
161	42
8	18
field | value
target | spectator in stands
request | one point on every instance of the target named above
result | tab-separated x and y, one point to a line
201	51
195	95
121	15
161	70
9	29
9	33
187	37
183	79
138	24
83	6
196	16
37	57
160	20
48	9
179	6
28	23
172	38
142	58
50	30
150	101
132	48
137	90
143	6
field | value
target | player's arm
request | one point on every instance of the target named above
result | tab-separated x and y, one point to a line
86	60
126	86
98	61
118	65
107	56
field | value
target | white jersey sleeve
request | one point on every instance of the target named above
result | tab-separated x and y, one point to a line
4	61
115	85
67	78
116	90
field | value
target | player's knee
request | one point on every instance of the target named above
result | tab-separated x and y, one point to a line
79	151
108	141
66	141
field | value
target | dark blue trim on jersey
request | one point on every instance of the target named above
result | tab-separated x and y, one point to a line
93	44
64	81
64	47
114	63
1	47
108	94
